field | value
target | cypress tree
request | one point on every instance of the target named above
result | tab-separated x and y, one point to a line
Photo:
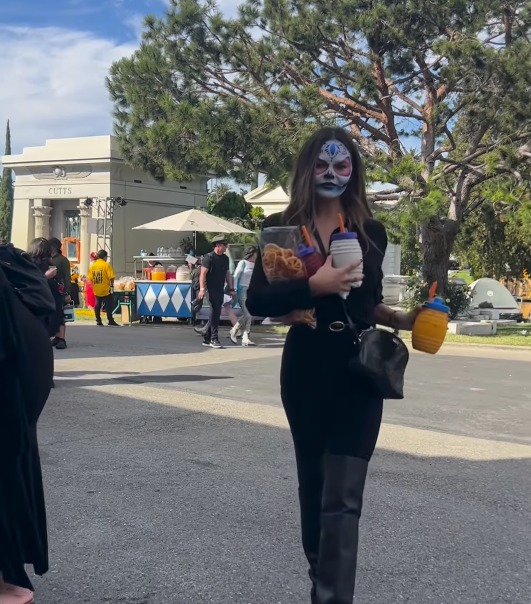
6	195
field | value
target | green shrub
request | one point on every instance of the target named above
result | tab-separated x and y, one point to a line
458	298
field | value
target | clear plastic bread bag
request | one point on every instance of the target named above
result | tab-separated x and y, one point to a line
279	247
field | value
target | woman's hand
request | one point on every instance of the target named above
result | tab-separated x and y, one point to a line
329	280
51	272
405	320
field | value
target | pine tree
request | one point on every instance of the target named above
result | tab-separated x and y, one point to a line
6	195
436	94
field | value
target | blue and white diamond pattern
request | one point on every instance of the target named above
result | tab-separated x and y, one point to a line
150	298
177	299
164	300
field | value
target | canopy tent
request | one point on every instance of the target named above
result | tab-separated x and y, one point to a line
492	291
194	220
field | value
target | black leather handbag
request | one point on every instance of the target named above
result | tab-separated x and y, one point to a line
29	284
382	357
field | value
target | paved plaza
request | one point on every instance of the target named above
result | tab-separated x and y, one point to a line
170	477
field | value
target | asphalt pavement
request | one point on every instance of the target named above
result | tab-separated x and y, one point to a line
170	477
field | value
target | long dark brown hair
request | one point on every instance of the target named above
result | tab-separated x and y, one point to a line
302	208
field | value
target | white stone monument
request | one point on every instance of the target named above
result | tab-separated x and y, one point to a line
62	187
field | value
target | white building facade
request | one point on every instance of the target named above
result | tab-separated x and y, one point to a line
81	189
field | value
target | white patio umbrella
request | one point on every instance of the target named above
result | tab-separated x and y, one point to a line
194	220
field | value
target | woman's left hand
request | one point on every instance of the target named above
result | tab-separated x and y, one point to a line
405	320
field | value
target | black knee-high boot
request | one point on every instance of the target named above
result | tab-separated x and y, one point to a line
310	475
310	503
344	481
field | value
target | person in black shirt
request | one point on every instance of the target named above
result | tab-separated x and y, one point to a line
64	274
214	273
334	415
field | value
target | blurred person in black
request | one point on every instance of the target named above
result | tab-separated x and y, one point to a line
64	274
214	273
40	252
26	366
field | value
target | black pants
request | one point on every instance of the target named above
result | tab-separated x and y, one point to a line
216	302
109	307
328	412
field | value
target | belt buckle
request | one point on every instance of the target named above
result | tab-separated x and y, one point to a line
337	326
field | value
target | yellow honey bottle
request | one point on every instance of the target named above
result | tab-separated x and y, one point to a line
431	326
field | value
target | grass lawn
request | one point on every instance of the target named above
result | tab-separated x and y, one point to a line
462	275
511	335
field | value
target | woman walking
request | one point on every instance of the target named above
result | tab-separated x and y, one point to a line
242	278
26	365
334	415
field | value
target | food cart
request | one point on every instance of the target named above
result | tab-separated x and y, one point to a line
168	298
173	297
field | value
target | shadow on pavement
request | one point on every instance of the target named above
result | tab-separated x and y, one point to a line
149	504
145	379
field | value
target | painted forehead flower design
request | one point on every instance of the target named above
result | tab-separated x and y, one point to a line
334	150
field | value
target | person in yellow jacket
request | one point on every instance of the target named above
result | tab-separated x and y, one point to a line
101	275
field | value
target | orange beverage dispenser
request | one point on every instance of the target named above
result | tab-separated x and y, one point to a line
158	273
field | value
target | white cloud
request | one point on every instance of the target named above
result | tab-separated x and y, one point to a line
54	83
54	78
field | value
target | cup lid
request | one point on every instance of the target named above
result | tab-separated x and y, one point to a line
304	250
437	304
344	236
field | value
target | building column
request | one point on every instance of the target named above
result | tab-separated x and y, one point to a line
85	213
41	213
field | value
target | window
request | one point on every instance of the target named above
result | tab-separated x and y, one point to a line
72	221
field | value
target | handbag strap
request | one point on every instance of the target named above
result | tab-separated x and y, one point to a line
351	324
320	243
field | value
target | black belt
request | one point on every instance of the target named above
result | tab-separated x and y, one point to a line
333	326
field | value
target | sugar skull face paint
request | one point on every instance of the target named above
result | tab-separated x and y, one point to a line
333	169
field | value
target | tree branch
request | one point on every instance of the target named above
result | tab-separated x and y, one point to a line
446	149
386	105
376	196
406	99
356	107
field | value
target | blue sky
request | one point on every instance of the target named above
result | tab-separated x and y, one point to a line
110	19
54	59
